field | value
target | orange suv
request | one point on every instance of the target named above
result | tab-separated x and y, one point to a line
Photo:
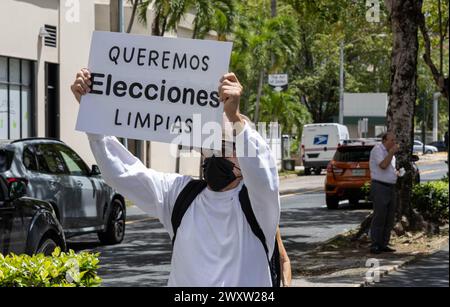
346	174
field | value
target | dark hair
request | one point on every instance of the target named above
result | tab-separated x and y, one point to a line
385	135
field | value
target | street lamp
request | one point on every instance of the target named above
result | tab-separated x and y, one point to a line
341	75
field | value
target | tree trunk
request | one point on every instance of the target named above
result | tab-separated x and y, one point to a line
441	81
404	17
133	15
156	31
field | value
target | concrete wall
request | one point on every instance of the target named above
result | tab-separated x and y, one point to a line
75	39
365	104
20	22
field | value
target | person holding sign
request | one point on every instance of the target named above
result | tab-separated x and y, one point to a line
223	228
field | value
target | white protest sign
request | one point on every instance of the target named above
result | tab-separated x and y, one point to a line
155	88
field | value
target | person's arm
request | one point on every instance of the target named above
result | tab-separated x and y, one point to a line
387	161
285	263
260	176
258	166
152	191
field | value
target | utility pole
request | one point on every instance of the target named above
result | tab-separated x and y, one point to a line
435	115
121	14
117	24
424	119
341	83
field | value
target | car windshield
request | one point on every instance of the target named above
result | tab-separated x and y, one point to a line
353	154
5	160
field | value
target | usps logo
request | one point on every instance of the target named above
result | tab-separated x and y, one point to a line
321	139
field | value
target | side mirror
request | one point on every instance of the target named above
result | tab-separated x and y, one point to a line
95	170
17	189
414	158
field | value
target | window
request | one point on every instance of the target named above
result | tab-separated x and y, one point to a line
15	98
74	163
6	158
29	159
353	154
49	161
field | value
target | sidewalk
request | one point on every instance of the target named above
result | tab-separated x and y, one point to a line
298	184
432	158
431	271
340	263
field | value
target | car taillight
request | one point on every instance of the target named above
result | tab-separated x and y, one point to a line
329	168
13	179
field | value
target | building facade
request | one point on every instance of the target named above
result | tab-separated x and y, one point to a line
369	106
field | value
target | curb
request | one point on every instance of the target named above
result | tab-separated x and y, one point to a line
300	190
283	177
386	270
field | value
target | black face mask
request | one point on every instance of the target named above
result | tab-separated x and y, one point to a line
218	172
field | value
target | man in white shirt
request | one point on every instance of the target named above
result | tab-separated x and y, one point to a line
214	244
384	174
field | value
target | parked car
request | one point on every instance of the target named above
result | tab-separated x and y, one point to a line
440	145
319	143
418	147
82	201
349	171
27	225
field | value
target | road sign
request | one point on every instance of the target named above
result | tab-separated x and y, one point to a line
278	80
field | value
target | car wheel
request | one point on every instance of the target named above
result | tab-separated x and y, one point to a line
429	152
354	202
332	202
318	171
115	229
307	171
47	247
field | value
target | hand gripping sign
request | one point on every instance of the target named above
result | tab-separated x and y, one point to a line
155	88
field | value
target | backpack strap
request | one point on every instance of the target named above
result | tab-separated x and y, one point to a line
251	218
184	201
274	261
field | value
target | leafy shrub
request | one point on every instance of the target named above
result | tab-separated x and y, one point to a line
431	200
59	270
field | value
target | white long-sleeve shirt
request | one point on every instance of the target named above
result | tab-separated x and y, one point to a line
215	245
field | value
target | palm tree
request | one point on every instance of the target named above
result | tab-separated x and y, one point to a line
266	43
214	15
135	4
209	15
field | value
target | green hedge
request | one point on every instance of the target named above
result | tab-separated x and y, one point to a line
431	200
59	270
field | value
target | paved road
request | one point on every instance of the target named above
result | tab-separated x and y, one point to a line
432	171
431	271
143	259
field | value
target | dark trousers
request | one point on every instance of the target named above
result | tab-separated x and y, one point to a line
384	207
